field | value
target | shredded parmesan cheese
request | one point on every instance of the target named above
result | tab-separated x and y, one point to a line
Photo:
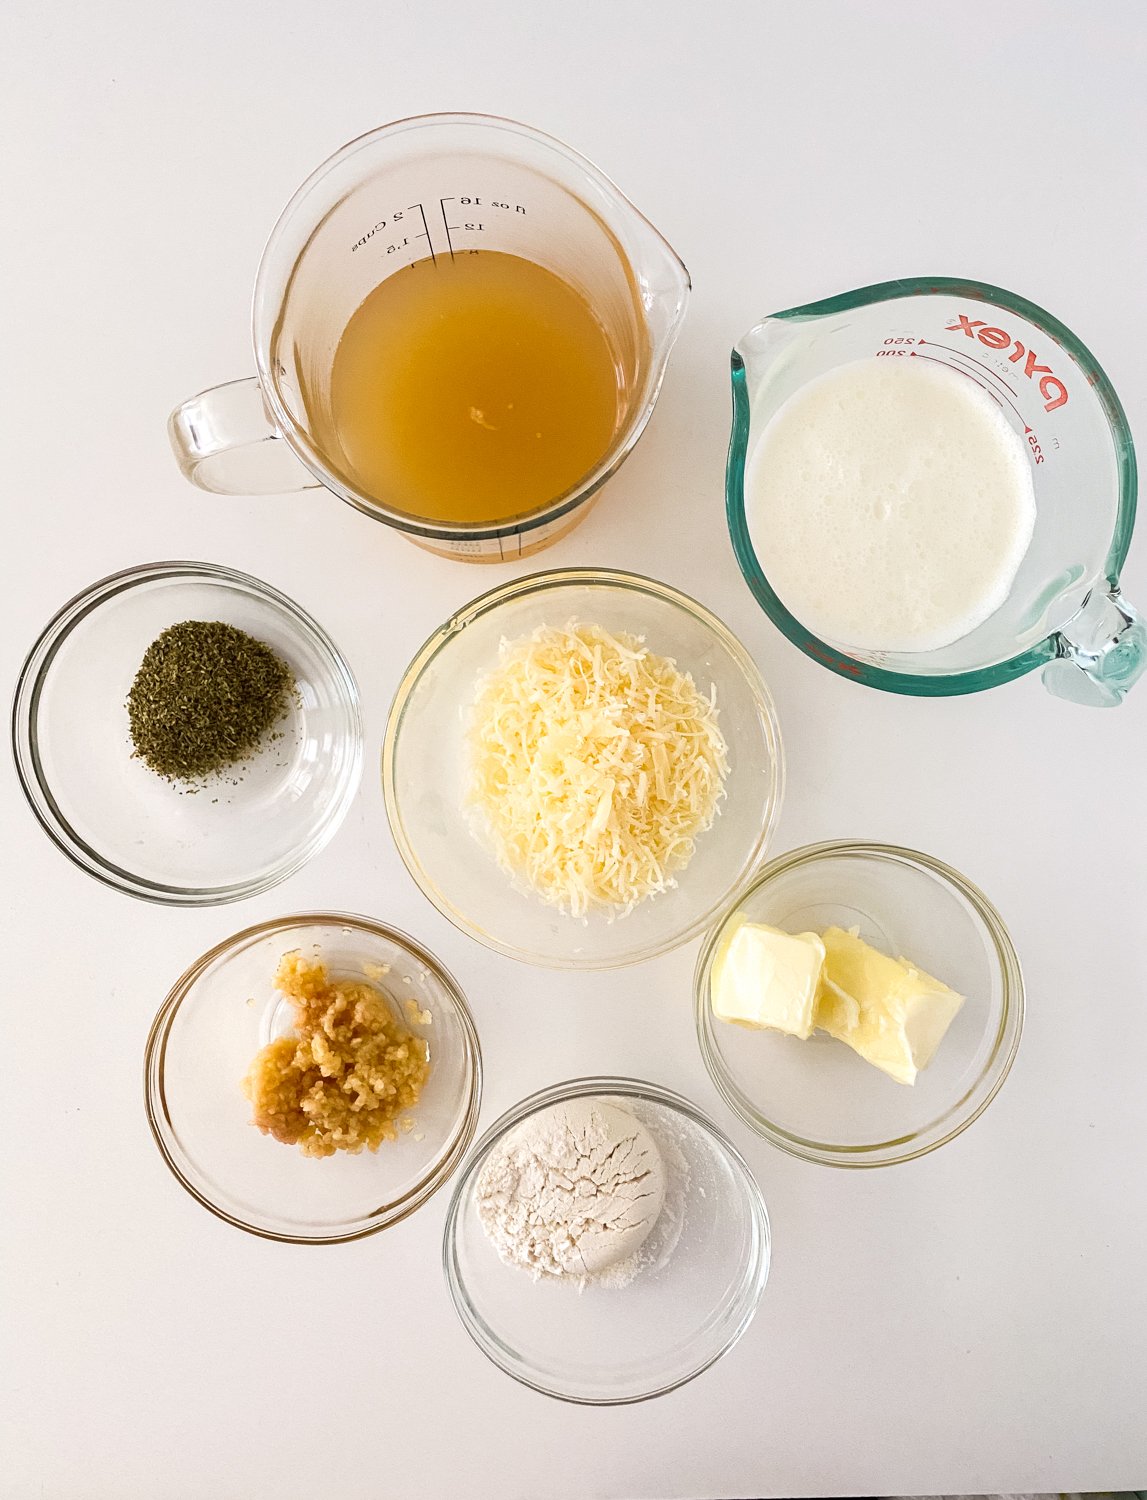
594	765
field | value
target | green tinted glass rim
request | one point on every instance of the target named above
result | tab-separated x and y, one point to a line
920	685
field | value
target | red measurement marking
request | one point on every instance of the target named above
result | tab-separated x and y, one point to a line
840	663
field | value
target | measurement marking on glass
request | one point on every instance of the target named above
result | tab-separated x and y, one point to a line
975	379
425	235
995	395
442	202
959	354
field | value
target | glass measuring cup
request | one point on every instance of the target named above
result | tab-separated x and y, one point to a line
1065	612
430	187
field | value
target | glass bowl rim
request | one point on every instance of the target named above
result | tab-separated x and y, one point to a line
540	583
922	684
444	1165
753	1281
38	792
901	1148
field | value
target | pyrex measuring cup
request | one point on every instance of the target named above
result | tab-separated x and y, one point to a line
1065	612
434	186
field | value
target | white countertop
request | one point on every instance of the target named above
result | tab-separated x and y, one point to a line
974	1321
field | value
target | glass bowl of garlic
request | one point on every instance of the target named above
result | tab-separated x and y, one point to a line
232	1008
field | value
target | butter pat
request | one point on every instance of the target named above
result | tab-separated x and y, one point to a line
768	979
886	1009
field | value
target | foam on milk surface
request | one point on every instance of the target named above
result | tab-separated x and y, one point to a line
890	505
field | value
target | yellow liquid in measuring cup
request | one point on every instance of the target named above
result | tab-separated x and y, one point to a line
472	389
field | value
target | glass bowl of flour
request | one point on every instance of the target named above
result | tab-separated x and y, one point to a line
605	1242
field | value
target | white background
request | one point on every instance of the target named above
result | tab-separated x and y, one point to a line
974	1321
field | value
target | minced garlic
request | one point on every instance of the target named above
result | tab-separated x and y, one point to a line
342	1078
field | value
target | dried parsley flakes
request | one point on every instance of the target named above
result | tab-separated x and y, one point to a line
204	697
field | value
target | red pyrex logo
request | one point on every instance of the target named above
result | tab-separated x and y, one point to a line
1051	388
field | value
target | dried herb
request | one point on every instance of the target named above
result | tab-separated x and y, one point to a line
205	696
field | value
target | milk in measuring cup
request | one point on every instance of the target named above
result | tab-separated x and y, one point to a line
890	505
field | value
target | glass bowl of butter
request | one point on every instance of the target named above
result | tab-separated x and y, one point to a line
859	1004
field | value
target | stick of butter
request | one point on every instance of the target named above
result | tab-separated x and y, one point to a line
767	979
886	1009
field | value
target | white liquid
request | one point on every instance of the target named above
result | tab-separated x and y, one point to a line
890	505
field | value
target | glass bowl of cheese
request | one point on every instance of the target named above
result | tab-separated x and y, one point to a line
859	1004
581	767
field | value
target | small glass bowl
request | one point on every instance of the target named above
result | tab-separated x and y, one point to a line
818	1099
424	770
226	1008
235	834
603	1346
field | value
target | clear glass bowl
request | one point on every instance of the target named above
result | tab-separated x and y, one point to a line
424	769
603	1346
817	1098
127	826
219	1015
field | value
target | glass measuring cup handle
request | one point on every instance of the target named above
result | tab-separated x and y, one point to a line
225	442
1100	652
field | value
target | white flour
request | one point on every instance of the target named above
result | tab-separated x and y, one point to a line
672	1138
574	1192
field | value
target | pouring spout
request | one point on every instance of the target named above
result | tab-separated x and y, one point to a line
664	285
1100	652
